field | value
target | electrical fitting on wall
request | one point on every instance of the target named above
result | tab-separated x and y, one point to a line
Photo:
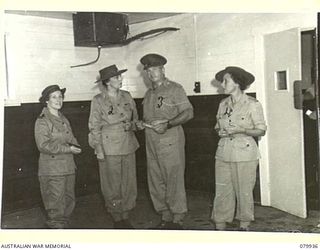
197	88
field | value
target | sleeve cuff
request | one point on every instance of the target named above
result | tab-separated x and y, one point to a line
261	126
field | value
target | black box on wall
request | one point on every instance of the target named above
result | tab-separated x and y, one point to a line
92	29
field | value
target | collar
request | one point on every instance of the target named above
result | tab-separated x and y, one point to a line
243	99
106	96
164	84
45	111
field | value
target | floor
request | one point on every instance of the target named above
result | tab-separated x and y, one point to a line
90	213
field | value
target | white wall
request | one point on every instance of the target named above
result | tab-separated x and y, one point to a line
177	46
41	50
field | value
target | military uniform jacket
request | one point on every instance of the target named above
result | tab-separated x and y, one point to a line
106	126
246	113
164	103
52	135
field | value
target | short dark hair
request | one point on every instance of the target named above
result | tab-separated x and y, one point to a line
104	82
239	80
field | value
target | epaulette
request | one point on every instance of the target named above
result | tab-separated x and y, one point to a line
225	99
99	95
169	82
252	99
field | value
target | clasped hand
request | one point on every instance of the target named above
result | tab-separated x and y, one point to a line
159	126
127	125
139	125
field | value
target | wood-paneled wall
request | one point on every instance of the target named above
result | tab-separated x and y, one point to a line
20	182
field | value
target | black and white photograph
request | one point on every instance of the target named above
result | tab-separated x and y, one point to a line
161	121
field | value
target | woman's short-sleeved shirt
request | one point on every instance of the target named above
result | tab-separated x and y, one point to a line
246	113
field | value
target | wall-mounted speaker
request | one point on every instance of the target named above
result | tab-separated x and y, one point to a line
92	29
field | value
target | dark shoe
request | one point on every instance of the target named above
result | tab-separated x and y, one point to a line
127	224
56	225
175	226
244	226
221	226
163	225
168	225
118	224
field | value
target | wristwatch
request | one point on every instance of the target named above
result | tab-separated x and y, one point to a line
169	125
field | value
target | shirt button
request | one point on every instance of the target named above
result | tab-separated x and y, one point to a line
229	120
67	132
230	139
52	156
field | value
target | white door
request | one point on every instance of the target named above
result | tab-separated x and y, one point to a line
285	123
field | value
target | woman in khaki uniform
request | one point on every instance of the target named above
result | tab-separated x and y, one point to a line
112	123
239	119
56	143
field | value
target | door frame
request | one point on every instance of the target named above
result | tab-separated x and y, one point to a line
261	96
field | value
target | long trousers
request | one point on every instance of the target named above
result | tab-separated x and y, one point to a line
166	166
119	184
58	197
234	190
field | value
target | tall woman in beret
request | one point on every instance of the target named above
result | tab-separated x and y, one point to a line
57	145
239	119
112	120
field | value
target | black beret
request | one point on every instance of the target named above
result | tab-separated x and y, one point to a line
152	60
246	77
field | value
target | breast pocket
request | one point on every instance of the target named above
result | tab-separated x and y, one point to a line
60	137
56	134
243	120
165	102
